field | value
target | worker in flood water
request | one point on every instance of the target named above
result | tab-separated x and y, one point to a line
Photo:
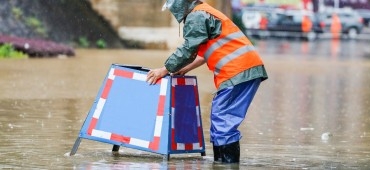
212	38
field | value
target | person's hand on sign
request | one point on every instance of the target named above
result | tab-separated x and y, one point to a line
155	74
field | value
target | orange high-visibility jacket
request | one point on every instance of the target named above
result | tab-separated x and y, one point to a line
231	52
306	24
336	26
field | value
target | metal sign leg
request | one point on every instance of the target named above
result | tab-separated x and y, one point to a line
75	146
203	153
115	149
166	157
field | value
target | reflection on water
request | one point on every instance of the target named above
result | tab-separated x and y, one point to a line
43	103
330	49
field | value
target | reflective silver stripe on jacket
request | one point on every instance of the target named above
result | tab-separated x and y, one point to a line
232	56
222	42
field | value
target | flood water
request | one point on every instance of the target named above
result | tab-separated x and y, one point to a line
312	113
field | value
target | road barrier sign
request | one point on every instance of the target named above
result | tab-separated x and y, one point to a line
163	118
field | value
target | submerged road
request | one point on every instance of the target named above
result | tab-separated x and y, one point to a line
312	112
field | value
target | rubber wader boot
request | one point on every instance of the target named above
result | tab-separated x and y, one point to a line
230	153
216	153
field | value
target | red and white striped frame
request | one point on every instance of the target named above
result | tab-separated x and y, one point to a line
153	145
185	146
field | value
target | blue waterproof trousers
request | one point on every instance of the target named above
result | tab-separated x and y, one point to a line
229	108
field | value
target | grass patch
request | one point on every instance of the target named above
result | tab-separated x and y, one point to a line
8	51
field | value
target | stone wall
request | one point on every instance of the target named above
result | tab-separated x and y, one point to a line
143	21
133	13
109	9
143	13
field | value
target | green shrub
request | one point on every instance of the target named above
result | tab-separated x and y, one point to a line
8	51
17	12
36	24
101	43
83	42
33	22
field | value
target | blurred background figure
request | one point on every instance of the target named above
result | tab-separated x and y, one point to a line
336	26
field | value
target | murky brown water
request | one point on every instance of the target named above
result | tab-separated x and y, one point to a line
43	103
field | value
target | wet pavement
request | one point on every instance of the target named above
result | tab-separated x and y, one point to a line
312	113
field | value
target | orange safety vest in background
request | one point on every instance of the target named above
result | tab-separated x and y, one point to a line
306	24
263	23
231	52
336	26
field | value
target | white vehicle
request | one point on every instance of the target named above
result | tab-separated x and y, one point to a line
255	21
